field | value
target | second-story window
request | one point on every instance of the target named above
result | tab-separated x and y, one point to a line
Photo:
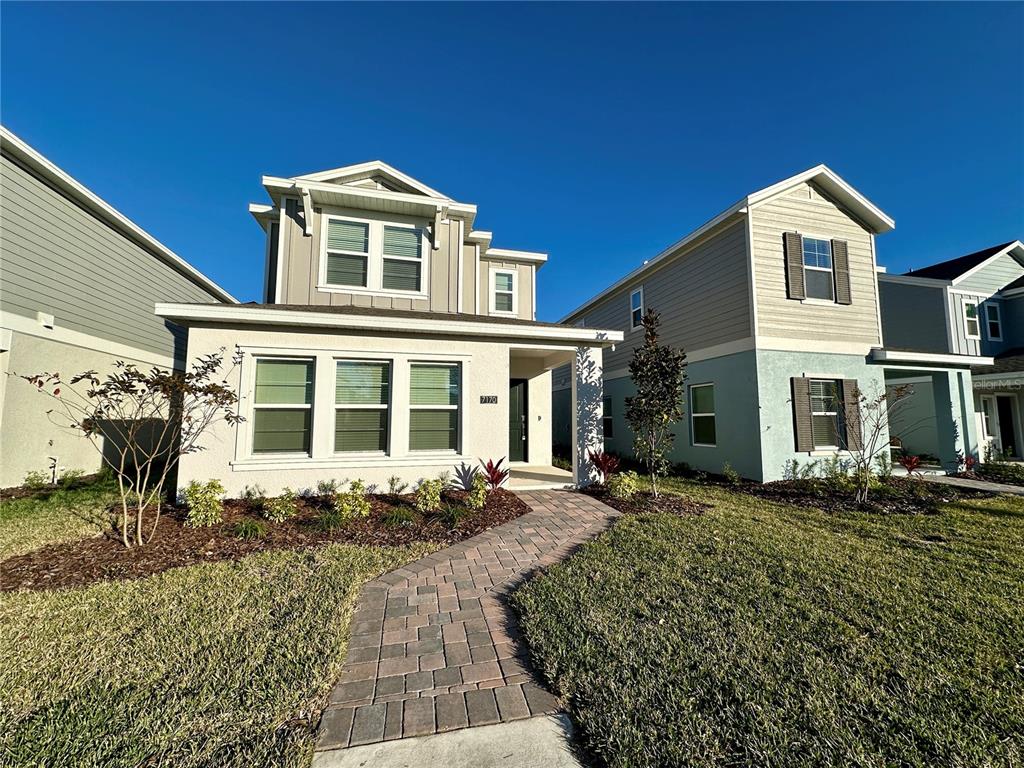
348	251
402	259
972	328
636	308
503	291
373	256
994	322
818	269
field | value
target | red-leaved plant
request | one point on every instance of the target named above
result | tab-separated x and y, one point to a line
494	474
969	463
606	463
910	463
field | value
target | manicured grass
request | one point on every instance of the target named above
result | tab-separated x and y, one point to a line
55	515
219	664
769	635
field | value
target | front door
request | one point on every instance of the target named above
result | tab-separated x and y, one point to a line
517	420
1007	443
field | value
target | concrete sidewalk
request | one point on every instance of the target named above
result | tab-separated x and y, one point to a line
977	485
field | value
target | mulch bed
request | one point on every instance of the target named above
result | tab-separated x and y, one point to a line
645	503
75	563
900	495
24	491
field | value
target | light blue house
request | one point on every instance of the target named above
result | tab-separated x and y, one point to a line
776	303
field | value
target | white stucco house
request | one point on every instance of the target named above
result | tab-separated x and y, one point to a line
393	340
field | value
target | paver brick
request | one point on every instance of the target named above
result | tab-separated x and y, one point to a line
368	725
418	717
481	707
451	711
393	720
335	727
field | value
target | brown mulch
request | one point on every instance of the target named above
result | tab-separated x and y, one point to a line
898	495
24	491
645	503
75	563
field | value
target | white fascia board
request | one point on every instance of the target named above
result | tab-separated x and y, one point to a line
1005	294
382	323
480	236
838	188
928	282
106	213
277	185
657	261
1017	249
936	358
264	214
373	166
507	254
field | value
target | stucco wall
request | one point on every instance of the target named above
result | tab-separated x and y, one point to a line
913	420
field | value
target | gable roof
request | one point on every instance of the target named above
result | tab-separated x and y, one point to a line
103	211
873	218
375	169
1018	283
954	269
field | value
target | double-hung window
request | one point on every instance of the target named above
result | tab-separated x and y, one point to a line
607	422
282	406
994	322
972	325
361	405
434	401
636	308
818	278
826	425
503	291
348	252
702	415
403	259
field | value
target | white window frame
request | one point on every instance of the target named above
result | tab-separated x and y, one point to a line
837	383
375	257
632	311
280	407
967	321
693	413
386	407
492	305
831	270
990	305
459	406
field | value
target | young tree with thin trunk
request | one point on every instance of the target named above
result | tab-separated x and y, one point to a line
867	420
658	372
141	423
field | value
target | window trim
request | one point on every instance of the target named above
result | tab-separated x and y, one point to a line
492	293
990	305
458	408
607	419
375	257
705	414
967	320
808	299
632	311
837	383
254	406
386	407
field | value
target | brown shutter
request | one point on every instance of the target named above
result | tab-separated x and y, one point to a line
841	269
851	413
802	414
795	265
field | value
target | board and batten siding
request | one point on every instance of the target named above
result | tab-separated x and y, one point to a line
806	210
993	277
300	264
60	260
913	316
702	297
524	286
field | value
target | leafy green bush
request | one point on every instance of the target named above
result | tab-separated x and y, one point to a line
248	529
732	477
205	507
1000	472
327	487
347	505
395	485
69	477
453	514
398	516
476	499
36	480
624	485
255	495
883	465
428	496
280	508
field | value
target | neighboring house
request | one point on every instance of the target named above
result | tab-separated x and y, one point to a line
974	306
79	284
393	341
776	304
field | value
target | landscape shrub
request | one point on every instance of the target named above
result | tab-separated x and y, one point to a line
624	485
347	505
910	463
205	507
494	474
248	529
1000	472
255	495
476	499
428	496
327	487
395	485
605	463
36	480
400	516
453	514
732	477
69	477
280	508
883	466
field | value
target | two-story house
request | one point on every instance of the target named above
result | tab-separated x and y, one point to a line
79	283
393	341
971	306
776	304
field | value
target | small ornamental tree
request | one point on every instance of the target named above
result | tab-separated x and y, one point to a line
141	423
658	373
868	418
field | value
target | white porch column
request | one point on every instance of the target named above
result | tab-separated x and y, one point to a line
587	393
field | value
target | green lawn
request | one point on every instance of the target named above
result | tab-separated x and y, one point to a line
196	666
769	635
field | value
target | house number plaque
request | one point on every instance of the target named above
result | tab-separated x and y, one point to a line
488	399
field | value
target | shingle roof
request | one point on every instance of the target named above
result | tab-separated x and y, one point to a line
1011	361
1018	283
952	269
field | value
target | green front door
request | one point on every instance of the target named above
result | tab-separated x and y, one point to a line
517	420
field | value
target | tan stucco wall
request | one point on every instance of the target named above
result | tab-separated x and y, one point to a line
485	427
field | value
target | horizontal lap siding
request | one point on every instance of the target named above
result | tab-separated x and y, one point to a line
807	211
993	277
702	298
59	259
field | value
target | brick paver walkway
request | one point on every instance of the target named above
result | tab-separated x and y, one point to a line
434	646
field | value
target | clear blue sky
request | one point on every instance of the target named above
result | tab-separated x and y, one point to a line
597	133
